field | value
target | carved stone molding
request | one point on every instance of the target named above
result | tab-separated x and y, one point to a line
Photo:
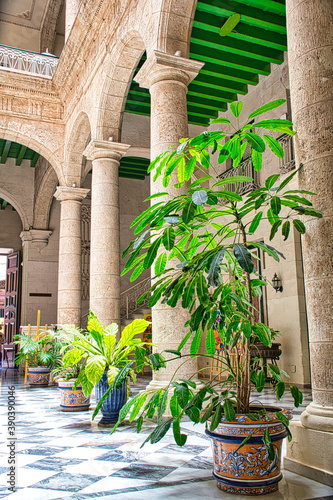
37	238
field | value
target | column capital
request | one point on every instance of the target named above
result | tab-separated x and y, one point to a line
64	193
160	66
97	149
38	237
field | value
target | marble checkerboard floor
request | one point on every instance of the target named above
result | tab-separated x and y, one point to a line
63	455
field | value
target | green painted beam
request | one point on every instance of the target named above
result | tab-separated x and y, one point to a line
136	108
131	176
276	7
234	46
244	32
197	120
215	94
221	84
5	151
34	160
205	102
237	75
257	18
209	115
20	155
230	60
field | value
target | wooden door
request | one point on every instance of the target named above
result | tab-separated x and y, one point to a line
12	302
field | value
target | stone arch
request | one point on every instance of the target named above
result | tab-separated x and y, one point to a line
79	138
38	146
123	62
175	26
44	198
19	209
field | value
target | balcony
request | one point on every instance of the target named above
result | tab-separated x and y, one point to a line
25	61
244	168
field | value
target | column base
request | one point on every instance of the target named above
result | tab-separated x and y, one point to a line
310	453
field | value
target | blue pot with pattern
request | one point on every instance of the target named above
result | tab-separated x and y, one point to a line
114	402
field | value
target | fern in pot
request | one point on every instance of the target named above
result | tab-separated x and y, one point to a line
211	230
108	364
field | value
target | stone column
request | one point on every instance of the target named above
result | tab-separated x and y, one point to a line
167	78
69	270
310	45
33	242
105	230
72	8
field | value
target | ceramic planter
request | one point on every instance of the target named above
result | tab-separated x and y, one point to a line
72	400
114	402
38	376
248	471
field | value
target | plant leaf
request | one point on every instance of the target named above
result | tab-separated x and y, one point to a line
266	107
199	197
228	409
274	146
236	106
196	343
210	341
243	257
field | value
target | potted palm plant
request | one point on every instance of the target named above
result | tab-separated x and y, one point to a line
210	229
42	354
107	363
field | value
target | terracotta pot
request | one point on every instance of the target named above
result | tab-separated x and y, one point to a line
113	403
72	400
248	471
38	376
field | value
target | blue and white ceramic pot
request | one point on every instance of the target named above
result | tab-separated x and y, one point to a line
248	471
113	403
38	376
72	400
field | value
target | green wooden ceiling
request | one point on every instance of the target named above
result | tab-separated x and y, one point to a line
133	167
9	149
232	62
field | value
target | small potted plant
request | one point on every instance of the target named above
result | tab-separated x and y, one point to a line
107	363
72	398
42	355
208	227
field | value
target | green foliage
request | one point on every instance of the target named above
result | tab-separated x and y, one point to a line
96	350
44	351
204	261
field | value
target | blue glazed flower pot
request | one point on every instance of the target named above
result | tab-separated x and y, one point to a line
113	403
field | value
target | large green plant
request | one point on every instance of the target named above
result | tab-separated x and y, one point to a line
209	231
97	350
44	351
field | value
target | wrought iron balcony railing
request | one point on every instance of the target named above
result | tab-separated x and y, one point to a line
287	163
25	61
244	168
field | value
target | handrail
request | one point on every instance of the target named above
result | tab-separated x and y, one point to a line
129	298
134	286
244	168
26	61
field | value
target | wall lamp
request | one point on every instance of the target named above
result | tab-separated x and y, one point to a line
277	283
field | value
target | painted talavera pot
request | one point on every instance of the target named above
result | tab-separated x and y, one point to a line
114	402
38	376
72	400
248	471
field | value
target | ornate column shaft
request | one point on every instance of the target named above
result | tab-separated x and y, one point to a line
69	274
33	242
72	8
167	78
105	229
310	53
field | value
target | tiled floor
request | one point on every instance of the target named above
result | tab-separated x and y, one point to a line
62	455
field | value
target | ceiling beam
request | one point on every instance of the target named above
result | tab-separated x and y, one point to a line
5	151
20	155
